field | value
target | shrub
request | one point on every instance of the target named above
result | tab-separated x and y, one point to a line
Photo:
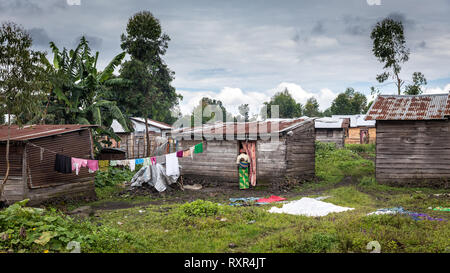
25	229
200	208
361	148
318	243
113	176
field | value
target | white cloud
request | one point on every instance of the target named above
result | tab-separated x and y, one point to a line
437	90
232	97
373	2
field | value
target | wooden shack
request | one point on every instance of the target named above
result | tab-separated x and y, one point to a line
330	130
284	148
359	131
32	160
413	139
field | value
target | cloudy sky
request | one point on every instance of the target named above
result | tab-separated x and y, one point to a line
246	51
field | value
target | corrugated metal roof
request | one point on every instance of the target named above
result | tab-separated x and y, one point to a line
405	107
38	131
328	122
152	122
357	120
242	128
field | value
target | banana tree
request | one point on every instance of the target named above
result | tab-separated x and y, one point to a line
77	89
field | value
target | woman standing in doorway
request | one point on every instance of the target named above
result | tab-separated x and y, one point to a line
243	162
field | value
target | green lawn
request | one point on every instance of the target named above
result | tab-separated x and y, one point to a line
347	175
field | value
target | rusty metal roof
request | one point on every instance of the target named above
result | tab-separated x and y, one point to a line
407	107
243	128
38	131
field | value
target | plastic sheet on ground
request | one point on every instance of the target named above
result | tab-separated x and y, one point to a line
155	176
399	210
309	207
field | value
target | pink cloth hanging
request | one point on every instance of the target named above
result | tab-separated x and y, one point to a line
153	160
180	153
250	149
77	163
92	165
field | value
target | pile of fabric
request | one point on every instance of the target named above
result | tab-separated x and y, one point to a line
309	207
399	210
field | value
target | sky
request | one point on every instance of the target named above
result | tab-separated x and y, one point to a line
246	51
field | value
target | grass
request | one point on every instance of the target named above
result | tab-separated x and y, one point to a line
205	226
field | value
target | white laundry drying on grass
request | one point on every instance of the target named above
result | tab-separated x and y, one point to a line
309	207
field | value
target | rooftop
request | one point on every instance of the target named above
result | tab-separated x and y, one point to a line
29	132
408	107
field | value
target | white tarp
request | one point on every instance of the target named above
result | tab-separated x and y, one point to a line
155	176
309	207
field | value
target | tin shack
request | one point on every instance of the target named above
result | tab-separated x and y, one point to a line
32	155
413	139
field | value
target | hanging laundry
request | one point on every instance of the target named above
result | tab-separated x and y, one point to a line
172	166
63	164
187	153
103	165
153	160
147	161
92	165
77	164
198	148
132	164
161	159
180	154
250	149
114	163
191	150
139	161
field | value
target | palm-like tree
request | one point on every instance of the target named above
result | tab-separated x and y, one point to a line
77	90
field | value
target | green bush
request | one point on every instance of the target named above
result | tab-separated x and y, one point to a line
200	208
25	229
318	243
361	148
325	147
114	176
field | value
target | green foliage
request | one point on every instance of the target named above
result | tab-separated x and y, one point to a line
416	87
311	108
25	229
200	208
114	176
323	148
332	165
318	243
361	148
21	73
288	107
349	102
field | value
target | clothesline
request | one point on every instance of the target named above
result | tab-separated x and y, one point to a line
49	150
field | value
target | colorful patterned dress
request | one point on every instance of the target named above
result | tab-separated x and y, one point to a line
243	175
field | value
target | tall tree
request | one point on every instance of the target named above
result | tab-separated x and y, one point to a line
150	93
349	102
416	88
389	48
244	111
20	78
215	105
288	107
311	108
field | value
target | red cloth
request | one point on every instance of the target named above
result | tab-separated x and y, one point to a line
271	199
250	149
180	153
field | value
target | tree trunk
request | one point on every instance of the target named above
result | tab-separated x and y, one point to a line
7	156
147	137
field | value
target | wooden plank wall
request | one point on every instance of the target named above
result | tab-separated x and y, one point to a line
300	153
337	137
14	189
270	159
218	160
413	152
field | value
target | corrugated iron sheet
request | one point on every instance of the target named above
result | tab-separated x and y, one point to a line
420	107
241	128
38	131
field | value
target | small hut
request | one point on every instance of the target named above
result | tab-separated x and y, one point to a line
32	153
331	130
413	140
284	148
360	131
